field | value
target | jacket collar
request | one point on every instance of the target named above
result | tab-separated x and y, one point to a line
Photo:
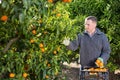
97	31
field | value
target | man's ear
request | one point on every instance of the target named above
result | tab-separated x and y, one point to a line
95	24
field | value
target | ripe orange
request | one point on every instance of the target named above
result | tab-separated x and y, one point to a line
4	18
32	41
91	69
34	32
100	69
97	64
41	45
68	0
50	1
43	49
64	0
97	69
25	75
101	65
54	52
11	75
104	70
58	14
98	61
46	76
48	65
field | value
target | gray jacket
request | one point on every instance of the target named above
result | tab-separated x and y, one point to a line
91	47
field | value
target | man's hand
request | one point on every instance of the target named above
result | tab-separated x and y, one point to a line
99	62
66	41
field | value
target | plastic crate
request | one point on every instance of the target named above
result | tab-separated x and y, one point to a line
94	74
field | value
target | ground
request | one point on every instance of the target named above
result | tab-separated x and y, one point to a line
71	71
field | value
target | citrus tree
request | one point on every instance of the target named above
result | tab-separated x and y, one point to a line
32	31
31	34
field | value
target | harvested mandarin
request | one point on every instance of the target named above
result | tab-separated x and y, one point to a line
101	65
98	61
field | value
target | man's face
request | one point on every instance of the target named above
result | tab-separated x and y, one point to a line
90	25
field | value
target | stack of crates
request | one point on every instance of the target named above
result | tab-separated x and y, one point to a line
94	74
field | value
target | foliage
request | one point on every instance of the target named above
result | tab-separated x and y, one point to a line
31	38
32	31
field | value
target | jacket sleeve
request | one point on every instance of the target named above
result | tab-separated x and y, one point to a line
105	53
75	43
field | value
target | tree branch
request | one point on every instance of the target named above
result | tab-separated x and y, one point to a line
10	43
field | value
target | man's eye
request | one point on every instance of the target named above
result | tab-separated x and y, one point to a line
87	24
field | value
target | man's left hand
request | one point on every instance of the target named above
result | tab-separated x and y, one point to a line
99	62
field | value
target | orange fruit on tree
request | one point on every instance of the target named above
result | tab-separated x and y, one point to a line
32	41
54	52
58	14
11	75
25	75
50	1
48	65
4	18
41	45
64	0
43	49
46	76
34	32
68	0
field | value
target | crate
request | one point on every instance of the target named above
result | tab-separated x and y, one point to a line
94	74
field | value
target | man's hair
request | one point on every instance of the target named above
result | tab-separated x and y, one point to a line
93	18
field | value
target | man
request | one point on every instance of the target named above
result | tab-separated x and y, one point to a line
93	44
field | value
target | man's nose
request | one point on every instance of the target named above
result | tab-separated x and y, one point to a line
86	26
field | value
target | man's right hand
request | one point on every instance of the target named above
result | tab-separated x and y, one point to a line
66	41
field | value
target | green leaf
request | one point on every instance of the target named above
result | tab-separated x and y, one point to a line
21	17
4	4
